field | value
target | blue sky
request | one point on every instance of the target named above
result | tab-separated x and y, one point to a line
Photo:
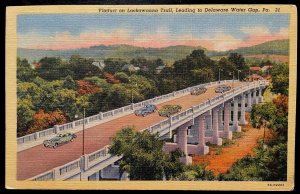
164	27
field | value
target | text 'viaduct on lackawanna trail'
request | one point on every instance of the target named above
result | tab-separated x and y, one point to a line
208	117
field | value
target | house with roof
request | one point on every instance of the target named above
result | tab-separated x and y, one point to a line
130	67
254	77
266	68
160	68
99	64
145	68
255	68
35	65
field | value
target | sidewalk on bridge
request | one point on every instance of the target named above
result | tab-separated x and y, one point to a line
28	145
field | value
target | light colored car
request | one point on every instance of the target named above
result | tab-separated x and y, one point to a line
150	108
59	139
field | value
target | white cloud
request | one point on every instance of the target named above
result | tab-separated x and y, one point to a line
283	31
255	30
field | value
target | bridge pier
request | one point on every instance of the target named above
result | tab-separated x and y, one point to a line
243	119
255	98
203	149
227	134
235	124
230	113
249	101
221	119
215	138
260	97
182	143
208	119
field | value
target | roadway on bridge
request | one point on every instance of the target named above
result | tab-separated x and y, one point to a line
38	159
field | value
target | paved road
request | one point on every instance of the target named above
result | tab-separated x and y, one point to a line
39	159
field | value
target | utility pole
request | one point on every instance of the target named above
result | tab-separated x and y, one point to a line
131	93
232	79
83	131
239	75
219	74
249	75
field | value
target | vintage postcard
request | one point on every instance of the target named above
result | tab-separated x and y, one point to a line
167	97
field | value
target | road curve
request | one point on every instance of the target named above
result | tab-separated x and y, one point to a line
39	159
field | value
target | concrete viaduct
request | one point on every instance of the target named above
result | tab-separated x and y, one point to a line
210	120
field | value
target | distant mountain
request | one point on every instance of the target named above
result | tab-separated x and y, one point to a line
168	54
275	47
126	52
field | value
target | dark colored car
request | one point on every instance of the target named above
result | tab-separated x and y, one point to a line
59	139
222	88
168	110
150	108
198	91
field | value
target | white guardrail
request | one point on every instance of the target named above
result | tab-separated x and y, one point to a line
105	115
86	161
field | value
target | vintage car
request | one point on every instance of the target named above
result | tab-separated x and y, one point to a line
168	110
222	88
59	139
150	108
198	91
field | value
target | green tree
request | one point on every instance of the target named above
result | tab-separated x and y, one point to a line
97	81
31	91
239	62
50	68
197	63
167	86
140	61
113	65
82	67
143	157
111	97
262	113
203	75
123	77
68	101
145	87
69	83
119	96
24	72
196	173
227	67
280	124
25	114
280	79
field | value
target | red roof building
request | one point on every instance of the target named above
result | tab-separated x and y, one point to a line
255	68
254	77
265	68
36	65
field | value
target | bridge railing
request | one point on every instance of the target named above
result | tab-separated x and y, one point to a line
69	167
108	114
26	138
96	157
46	132
74	167
46	176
